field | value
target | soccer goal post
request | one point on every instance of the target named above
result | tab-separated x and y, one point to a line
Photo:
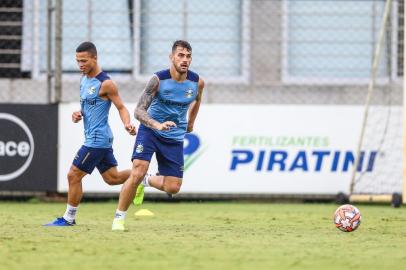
404	102
381	130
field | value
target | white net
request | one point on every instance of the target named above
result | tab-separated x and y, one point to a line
380	163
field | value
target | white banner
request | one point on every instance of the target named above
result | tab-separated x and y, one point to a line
273	149
253	149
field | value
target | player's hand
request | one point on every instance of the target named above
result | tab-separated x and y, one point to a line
189	128
131	129
165	126
76	116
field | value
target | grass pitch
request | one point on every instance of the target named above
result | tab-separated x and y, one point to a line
201	236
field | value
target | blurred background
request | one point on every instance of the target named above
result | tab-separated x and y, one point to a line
283	107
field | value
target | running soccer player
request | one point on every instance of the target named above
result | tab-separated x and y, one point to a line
162	109
97	92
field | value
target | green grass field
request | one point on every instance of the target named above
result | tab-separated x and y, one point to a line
201	236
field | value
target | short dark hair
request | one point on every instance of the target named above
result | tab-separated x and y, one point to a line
87	46
182	44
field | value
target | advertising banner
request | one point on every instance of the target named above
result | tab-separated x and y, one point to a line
273	149
247	149
28	147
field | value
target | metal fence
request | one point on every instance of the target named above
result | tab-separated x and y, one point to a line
258	51
307	52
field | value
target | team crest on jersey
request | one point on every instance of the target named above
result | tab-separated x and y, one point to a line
91	90
139	149
189	93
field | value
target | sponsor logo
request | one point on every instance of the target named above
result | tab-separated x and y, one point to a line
88	101
91	90
16	147
192	149
300	160
173	103
139	149
296	154
189	93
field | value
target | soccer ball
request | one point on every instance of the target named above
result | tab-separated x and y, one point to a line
347	218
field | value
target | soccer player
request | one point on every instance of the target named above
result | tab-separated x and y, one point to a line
162	109
97	92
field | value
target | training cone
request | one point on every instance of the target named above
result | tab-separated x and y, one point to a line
144	213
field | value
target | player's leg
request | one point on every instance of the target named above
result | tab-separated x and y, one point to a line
114	177
170	165
84	163
108	169
75	192
144	148
169	184
140	168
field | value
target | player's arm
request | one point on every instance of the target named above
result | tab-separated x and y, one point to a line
109	90
77	115
141	111
194	107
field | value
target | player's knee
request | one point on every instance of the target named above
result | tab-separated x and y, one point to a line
137	176
173	188
73	178
109	180
137	173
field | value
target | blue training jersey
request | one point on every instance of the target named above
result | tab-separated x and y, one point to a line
95	112
172	101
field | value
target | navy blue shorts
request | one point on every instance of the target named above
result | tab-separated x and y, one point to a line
169	153
88	158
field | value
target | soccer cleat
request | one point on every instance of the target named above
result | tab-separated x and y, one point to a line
118	225
139	195
60	222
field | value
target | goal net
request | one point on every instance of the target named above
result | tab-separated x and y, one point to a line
379	175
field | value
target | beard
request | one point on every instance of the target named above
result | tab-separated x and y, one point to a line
179	69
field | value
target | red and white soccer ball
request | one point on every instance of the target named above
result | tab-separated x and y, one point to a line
347	218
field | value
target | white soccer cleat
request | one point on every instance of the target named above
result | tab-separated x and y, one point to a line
118	225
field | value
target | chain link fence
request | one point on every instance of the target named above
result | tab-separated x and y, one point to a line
307	52
258	51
